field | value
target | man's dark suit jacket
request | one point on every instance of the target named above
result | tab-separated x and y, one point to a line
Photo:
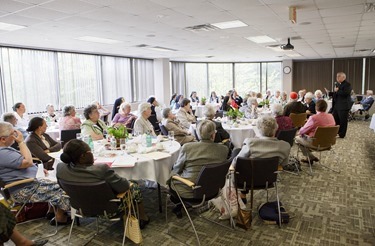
341	99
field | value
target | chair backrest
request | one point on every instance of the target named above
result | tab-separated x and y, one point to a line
210	179
67	135
367	107
325	137
298	119
163	130
219	113
287	135
91	199
258	171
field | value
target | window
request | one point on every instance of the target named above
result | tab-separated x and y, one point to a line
143	79
116	79
196	79
220	78
271	77
78	75
29	77
247	77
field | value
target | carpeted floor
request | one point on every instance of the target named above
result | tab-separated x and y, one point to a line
328	208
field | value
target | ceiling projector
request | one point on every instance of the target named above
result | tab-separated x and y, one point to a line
287	46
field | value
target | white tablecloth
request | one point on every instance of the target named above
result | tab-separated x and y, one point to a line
329	105
372	124
149	169
54	133
240	132
145	167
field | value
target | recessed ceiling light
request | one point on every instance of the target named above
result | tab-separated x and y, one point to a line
157	48
99	40
10	27
261	39
229	24
305	23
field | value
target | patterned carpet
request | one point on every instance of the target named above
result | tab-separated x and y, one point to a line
328	208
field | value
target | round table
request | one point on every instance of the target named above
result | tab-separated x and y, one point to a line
239	132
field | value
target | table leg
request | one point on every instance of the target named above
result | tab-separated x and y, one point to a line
159	196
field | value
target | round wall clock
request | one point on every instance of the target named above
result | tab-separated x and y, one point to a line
287	70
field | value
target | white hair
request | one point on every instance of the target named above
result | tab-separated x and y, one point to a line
309	95
209	111
143	107
267	126
277	109
124	105
318	92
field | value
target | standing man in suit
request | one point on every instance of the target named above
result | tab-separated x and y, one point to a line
341	102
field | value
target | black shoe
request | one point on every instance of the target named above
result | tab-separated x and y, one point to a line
177	211
143	223
367	116
53	222
40	242
244	200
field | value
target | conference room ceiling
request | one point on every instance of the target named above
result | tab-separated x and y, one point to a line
143	28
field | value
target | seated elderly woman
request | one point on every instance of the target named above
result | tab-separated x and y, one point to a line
103	112
250	109
40	143
221	133
93	126
310	104
308	130
181	135
266	146
124	116
185	114
69	121
192	157
284	122
51	115
142	125
17	165
79	166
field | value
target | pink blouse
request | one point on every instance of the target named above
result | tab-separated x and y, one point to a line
69	123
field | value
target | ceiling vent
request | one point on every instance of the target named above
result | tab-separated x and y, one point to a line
201	28
287	46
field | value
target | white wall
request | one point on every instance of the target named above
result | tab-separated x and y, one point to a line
287	78
162	80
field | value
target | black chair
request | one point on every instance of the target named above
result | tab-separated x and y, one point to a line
163	130
92	200
210	180
219	113
288	136
256	174
67	135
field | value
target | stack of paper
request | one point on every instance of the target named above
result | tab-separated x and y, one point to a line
124	161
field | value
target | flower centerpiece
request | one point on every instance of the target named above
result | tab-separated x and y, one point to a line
203	101
234	113
264	103
118	131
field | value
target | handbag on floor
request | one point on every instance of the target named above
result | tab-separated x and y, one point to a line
132	228
269	213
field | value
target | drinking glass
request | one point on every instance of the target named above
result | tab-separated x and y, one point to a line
113	143
123	145
171	136
78	136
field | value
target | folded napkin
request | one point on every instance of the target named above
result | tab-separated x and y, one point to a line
124	161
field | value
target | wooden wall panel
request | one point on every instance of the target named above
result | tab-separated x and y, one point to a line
352	67
312	75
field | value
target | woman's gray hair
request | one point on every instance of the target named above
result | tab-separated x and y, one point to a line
88	110
143	107
318	92
5	129
267	126
68	109
209	111
309	95
205	129
166	112
251	101
124	105
277	109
